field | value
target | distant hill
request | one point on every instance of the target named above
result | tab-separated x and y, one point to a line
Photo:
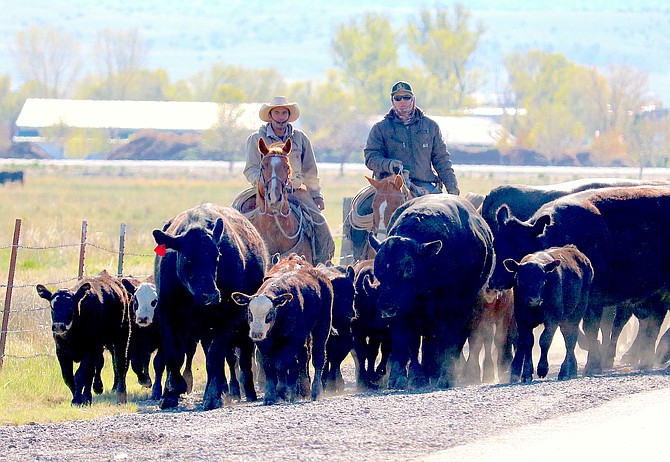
294	37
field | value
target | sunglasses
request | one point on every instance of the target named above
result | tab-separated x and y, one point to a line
403	97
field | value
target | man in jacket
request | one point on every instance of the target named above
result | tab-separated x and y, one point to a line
407	139
278	116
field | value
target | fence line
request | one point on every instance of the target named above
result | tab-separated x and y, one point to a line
82	245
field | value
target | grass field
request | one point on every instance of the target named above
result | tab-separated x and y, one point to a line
52	204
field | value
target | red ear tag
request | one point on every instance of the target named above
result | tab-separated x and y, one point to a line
160	250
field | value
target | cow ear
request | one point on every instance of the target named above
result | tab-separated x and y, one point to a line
430	248
275	258
511	265
85	287
43	292
282	299
367	284
262	147
350	273
549	267
240	298
128	285
503	215
540	224
162	238
286	149
374	242
218	230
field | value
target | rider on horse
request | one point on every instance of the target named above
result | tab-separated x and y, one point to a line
278	116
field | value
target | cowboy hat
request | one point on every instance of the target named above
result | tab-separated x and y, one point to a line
279	101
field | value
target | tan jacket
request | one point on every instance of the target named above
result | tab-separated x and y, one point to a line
302	159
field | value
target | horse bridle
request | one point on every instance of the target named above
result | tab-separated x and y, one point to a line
285	185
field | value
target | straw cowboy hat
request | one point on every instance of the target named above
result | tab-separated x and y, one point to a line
279	101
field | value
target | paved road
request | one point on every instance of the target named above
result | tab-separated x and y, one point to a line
629	428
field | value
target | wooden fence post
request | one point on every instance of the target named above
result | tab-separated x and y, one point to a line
82	248
122	248
8	293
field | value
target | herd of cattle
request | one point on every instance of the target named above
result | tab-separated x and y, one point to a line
584	255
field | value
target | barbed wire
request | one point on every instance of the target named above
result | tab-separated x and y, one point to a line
34	355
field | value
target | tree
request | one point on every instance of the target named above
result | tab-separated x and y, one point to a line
49	58
365	51
445	44
548	87
225	83
330	117
119	57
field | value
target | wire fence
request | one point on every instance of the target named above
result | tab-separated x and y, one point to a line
26	320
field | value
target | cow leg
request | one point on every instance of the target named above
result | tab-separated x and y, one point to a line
419	373
216	379
97	379
522	364
653	327
591	326
174	350
246	346
159	368
632	356
83	379
399	357
66	369
140	365
233	382
385	346
503	340
472	372
120	365
570	333
663	348
622	316
545	342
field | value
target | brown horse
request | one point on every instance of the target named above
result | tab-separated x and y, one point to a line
281	222
374	206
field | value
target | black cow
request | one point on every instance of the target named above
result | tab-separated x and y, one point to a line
208	252
622	231
524	200
431	268
87	318
340	341
372	333
551	287
9	177
290	312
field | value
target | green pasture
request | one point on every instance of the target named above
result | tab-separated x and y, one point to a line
52	204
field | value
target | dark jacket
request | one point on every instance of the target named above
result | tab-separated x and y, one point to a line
418	145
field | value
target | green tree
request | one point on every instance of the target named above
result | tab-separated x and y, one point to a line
445	45
365	51
547	86
330	117
49	58
10	107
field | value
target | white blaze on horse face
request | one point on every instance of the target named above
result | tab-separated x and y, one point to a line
259	308
146	298
275	184
381	227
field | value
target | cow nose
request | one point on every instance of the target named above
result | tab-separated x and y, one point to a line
389	312
143	321
58	328
256	335
534	301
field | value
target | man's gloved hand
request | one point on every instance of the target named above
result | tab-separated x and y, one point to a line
454	190
395	166
320	202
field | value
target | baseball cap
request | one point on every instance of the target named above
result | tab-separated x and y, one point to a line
401	86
